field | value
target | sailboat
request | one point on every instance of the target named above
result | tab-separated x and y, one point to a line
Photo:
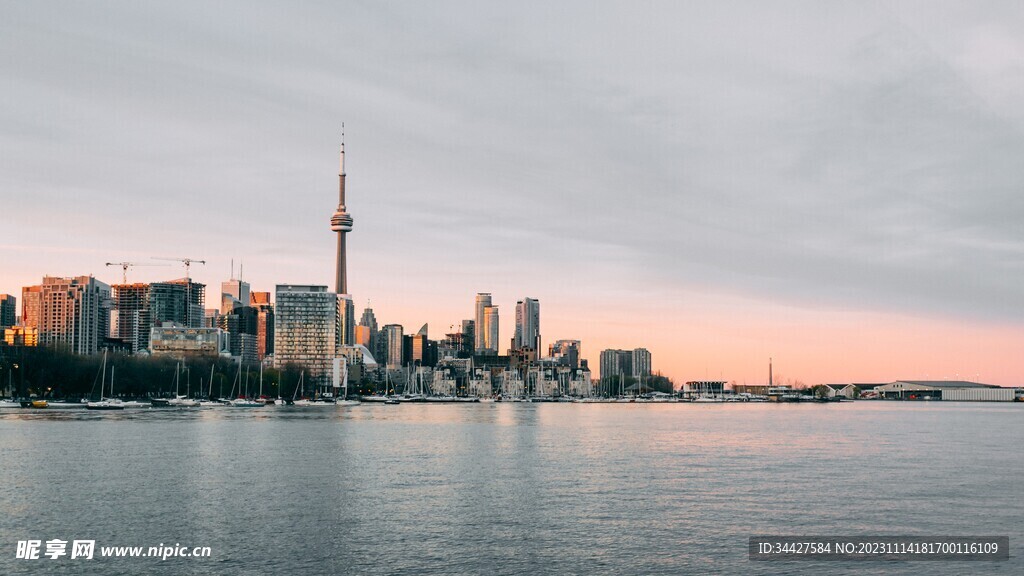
413	387
341	382
242	401
303	402
210	402
180	401
105	403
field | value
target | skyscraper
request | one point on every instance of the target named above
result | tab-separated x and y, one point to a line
8	305
468	337
615	363
641	363
392	334
490	330
180	301
341	223
260	301
527	333
483	300
233	293
130	320
346	321
73	313
305	329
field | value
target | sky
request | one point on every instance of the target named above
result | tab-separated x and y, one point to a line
834	185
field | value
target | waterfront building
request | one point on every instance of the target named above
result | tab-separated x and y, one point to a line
490	330
130	319
392	335
641	363
70	313
527	333
704	388
305	329
944	390
483	302
180	302
565	353
615	363
184	343
21	336
8	310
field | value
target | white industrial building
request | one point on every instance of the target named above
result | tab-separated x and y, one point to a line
944	390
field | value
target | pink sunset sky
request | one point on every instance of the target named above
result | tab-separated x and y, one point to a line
836	188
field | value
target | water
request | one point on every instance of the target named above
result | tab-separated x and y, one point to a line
508	488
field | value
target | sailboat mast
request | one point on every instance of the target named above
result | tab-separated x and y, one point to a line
103	377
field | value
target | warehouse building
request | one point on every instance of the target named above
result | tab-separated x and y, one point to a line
944	390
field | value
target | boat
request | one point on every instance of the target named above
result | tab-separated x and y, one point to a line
340	382
105	403
180	401
304	402
241	401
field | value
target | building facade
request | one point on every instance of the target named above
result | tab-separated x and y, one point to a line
483	302
392	335
305	329
72	314
641	363
565	353
527	334
8	310
490	330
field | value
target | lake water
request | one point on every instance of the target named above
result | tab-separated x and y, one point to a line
508	488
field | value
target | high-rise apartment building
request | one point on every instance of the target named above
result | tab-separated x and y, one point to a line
305	329
260	301
179	301
615	363
130	320
632	363
8	310
73	313
527	334
392	335
483	301
468	337
31	300
490	331
346	321
641	363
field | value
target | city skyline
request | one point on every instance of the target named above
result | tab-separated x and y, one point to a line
849	247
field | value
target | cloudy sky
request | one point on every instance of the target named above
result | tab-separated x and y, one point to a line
837	185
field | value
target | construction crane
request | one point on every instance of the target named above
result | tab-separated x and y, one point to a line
186	261
126	265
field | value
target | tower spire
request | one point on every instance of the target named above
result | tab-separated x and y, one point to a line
341	223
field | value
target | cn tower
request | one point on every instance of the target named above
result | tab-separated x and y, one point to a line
341	223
